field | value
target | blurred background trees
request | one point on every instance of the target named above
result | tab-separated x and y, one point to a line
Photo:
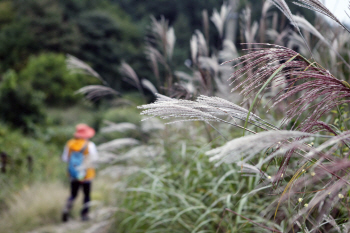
35	35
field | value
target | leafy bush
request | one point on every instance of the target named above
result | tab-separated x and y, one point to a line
20	106
48	73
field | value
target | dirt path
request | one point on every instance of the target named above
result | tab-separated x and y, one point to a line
100	222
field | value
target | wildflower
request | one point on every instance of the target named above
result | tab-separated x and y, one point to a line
269	177
300	199
306	205
340	195
303	170
282	175
313	173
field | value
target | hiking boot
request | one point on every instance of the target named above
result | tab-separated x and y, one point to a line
65	217
85	218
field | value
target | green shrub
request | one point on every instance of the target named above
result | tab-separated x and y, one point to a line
49	74
20	106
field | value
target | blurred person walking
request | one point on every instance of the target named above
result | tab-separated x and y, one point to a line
80	155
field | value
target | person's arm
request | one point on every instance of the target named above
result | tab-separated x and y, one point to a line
65	154
93	152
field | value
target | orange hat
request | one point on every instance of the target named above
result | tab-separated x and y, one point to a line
84	131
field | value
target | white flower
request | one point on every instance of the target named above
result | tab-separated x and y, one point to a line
313	173
300	199
306	205
340	195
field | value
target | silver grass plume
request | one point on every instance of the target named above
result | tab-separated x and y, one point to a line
283	7
130	76
194	48
93	92
210	64
303	23
165	34
117	144
149	86
295	40
203	109
229	51
171	38
205	22
118	171
198	46
141	152
245	148
183	76
250	30
154	56
219	19
152	125
78	66
262	29
117	127
186	81
316	5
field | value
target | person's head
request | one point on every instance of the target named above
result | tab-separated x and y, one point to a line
84	131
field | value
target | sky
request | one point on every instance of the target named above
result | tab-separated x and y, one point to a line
338	8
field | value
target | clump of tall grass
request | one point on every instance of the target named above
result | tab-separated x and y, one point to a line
34	206
308	181
181	191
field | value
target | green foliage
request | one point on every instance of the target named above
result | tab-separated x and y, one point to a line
45	19
48	73
95	31
20	106
16	44
6	13
103	45
45	166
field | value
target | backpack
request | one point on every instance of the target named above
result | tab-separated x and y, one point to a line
75	164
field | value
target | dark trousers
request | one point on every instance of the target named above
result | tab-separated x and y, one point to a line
74	188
